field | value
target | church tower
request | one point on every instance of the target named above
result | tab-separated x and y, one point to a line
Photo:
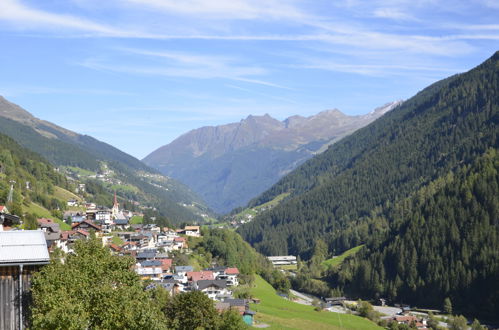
116	208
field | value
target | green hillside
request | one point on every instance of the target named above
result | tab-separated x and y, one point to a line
445	126
442	242
82	153
35	182
281	313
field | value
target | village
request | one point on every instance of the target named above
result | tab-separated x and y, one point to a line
154	249
157	250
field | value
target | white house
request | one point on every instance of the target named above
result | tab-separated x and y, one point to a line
214	289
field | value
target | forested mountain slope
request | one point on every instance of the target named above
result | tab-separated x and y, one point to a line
230	164
66	148
445	126
442	242
32	177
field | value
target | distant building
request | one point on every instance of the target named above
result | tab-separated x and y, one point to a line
193	231
283	260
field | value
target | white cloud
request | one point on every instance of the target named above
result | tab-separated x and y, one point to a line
393	13
226	9
187	66
25	17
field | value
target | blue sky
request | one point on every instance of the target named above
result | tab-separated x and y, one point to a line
139	73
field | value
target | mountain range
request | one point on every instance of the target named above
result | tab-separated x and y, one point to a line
417	188
71	151
228	165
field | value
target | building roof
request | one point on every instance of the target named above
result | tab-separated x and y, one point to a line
203	284
3	208
191	228
166	264
114	247
120	222
236	302
88	222
222	306
232	271
23	247
202	275
150	263
146	255
184	269
45	221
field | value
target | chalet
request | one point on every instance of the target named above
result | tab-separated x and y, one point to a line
3	209
214	289
180	243
182	272
141	241
149	269
7	221
191	231
199	276
71	236
21	254
230	275
51	230
86	225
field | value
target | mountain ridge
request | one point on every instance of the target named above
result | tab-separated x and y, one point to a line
218	162
444	125
63	147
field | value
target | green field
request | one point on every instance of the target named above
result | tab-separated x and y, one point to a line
65	195
254	211
42	212
136	220
336	261
281	313
79	171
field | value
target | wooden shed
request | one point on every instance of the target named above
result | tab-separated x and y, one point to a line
21	254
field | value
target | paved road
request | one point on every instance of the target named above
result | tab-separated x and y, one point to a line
302	298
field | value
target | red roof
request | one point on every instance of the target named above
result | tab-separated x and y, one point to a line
83	232
232	271
166	264
114	247
406	318
44	221
202	275
65	234
179	239
2	207
90	223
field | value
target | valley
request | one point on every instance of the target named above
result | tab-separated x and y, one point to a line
363	219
